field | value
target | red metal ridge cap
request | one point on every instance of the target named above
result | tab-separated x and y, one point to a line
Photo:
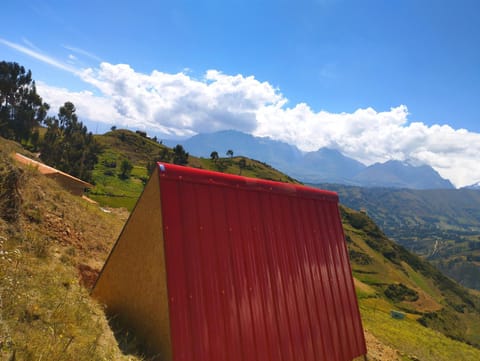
195	175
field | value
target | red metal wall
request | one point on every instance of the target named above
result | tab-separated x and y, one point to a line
256	270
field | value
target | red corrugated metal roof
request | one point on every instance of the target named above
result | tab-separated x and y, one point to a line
256	270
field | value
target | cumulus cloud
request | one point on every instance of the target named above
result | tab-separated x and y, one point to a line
87	104
180	105
370	136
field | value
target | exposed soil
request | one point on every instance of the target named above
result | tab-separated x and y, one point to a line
377	351
425	303
88	275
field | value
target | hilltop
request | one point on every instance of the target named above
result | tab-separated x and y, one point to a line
141	151
53	245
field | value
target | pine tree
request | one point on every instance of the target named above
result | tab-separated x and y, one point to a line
68	145
21	108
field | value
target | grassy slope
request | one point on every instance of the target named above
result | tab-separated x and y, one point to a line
110	189
378	262
442	225
46	312
122	144
410	340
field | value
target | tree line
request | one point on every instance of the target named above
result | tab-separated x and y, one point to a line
66	145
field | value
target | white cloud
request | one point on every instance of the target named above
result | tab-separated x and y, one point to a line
181	105
30	44
87	104
371	136
34	53
83	52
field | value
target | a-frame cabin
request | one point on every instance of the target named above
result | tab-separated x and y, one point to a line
216	267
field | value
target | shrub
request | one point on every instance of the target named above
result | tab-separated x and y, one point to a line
359	257
399	292
125	169
110	163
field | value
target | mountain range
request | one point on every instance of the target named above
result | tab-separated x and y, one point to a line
322	166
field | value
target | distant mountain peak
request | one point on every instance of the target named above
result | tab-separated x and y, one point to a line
402	174
325	165
475	186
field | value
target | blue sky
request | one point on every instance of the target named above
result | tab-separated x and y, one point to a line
378	80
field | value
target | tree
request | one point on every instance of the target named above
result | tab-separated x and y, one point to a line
180	156
68	145
125	169
21	108
164	155
230	153
214	156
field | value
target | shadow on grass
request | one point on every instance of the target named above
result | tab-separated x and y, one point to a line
128	342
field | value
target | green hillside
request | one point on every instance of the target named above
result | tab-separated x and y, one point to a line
391	278
441	225
46	237
53	245
119	145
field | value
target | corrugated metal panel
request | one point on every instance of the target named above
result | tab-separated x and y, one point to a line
256	270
